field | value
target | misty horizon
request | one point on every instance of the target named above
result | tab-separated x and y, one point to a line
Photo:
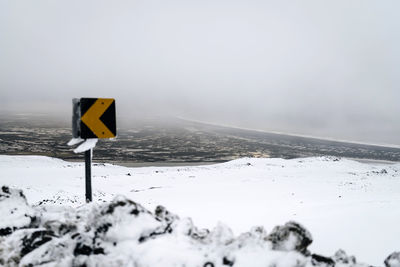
328	70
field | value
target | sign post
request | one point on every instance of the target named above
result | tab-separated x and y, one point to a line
92	118
88	176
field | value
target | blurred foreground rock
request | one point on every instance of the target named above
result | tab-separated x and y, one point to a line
393	260
124	233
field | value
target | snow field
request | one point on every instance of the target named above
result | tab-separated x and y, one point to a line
345	204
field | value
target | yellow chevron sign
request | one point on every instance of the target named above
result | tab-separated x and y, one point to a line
98	119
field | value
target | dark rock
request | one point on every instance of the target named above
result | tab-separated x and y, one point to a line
87	244
34	240
98	251
75	235
226	261
291	236
5	189
134	212
103	228
6	231
393	260
318	260
82	249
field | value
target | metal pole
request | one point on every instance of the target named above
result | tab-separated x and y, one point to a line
88	164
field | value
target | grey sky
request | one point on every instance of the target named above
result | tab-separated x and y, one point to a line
322	68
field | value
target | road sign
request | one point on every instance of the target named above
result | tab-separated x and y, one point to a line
97	118
92	118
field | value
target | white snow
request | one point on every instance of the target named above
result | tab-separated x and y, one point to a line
343	203
88	144
75	141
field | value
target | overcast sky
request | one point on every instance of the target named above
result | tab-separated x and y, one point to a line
322	68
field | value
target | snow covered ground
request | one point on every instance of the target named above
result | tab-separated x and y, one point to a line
343	203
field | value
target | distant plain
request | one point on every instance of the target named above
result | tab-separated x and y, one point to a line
163	142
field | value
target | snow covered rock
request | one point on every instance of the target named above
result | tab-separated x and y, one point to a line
393	260
123	233
14	207
321	261
291	236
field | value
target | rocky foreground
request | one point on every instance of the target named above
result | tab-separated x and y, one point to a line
123	233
